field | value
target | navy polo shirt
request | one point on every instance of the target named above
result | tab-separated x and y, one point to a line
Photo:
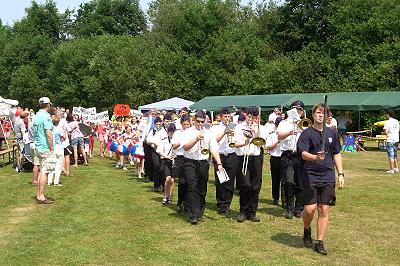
318	172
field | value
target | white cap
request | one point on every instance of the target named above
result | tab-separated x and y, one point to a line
44	100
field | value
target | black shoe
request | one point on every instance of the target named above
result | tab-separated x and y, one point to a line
297	214
200	219
253	218
222	210
332	202
307	237
319	247
275	202
194	221
241	217
288	214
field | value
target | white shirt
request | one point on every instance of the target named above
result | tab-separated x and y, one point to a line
176	139
332	124
249	149
164	148
392	128
272	139
64	124
155	136
208	142
284	127
224	142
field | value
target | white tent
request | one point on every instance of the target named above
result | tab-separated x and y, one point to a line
175	103
8	108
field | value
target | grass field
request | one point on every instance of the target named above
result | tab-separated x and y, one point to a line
106	216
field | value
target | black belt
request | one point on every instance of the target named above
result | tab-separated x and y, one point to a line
226	155
195	161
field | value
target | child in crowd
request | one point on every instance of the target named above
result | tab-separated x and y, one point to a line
101	131
59	135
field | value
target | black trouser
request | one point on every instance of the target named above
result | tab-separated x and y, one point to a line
148	161
276	176
196	175
178	172
157	178
224	191
250	184
291	181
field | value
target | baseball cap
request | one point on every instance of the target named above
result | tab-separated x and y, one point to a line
297	104
44	100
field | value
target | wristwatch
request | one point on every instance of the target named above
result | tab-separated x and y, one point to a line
340	174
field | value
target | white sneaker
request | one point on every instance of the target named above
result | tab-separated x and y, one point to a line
124	168
396	170
390	171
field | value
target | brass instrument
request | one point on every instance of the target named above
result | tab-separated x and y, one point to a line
257	140
301	124
204	149
231	143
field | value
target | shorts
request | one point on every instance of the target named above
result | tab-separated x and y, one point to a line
166	167
68	150
34	156
47	163
77	141
318	194
391	148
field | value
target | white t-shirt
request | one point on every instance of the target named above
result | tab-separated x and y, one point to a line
392	129
208	142
164	148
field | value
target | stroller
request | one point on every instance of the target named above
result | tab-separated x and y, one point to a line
24	159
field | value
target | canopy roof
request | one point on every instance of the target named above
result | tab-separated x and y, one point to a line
175	103
361	101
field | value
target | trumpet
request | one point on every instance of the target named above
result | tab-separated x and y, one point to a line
203	148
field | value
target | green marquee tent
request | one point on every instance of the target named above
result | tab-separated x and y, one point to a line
360	101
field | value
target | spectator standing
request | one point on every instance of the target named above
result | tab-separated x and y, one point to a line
391	128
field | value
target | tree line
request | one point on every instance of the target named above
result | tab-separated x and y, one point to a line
110	51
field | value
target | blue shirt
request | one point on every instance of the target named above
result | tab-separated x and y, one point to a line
58	133
41	122
318	172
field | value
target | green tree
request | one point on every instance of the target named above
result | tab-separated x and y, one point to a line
115	17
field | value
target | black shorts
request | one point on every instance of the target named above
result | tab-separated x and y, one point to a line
166	167
68	150
318	194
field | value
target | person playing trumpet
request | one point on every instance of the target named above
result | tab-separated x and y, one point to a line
198	143
250	160
288	133
224	135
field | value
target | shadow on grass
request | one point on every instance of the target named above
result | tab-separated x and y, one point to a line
380	170
276	212
288	240
267	201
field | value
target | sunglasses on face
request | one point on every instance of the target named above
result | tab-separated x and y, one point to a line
200	121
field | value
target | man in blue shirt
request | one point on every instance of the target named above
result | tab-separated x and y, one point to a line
317	174
43	140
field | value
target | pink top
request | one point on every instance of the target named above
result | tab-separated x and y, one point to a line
76	132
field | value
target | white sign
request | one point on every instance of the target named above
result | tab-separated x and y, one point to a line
77	110
96	118
90	111
135	113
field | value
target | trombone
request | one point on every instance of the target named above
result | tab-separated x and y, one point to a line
301	124
258	140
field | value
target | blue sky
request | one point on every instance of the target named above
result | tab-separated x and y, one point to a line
14	10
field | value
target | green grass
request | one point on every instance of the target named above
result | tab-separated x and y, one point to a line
105	216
